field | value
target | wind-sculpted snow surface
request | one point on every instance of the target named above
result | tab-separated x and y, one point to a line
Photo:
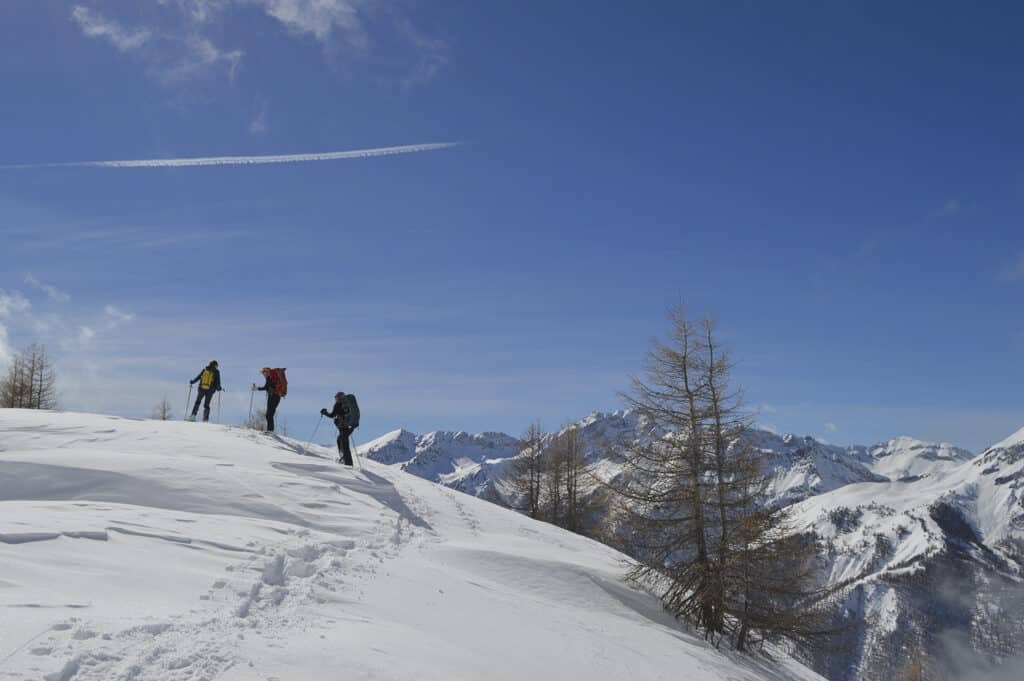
164	551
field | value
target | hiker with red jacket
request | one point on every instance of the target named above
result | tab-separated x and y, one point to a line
276	387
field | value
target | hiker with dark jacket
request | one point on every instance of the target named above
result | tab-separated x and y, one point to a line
274	394
346	417
209	383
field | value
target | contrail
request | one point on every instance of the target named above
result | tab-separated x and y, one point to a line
241	160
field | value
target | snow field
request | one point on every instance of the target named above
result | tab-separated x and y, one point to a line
165	551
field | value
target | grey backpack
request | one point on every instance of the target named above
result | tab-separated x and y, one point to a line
351	413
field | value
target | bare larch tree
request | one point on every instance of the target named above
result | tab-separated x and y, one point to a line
527	473
696	505
162	411
31	381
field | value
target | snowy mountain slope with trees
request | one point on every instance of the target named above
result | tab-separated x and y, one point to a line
134	549
801	467
924	541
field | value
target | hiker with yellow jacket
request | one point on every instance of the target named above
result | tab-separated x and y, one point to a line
209	383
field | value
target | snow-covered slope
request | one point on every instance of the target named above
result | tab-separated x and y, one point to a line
801	467
978	506
906	457
463	461
927	558
172	551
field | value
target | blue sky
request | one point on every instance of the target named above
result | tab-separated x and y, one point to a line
840	184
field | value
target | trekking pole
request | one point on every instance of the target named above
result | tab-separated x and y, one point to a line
355	449
252	394
219	393
188	400
313	436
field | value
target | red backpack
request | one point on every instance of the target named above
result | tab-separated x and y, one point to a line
279	382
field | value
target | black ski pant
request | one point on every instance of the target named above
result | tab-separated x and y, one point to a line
206	393
272	402
344	432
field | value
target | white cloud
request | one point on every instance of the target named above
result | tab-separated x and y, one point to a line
53	292
831	427
85	335
177	45
173	53
5	347
199	11
95	25
1014	270
116	317
432	55
198	56
260	124
75	337
12	305
322	19
951	207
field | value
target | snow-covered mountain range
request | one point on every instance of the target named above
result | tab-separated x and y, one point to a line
801	467
168	551
924	542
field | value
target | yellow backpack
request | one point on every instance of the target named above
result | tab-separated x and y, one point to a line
206	380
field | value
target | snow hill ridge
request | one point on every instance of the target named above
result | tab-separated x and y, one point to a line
168	551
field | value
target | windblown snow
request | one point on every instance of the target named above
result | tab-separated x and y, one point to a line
166	551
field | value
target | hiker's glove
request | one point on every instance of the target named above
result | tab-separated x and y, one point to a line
323	412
